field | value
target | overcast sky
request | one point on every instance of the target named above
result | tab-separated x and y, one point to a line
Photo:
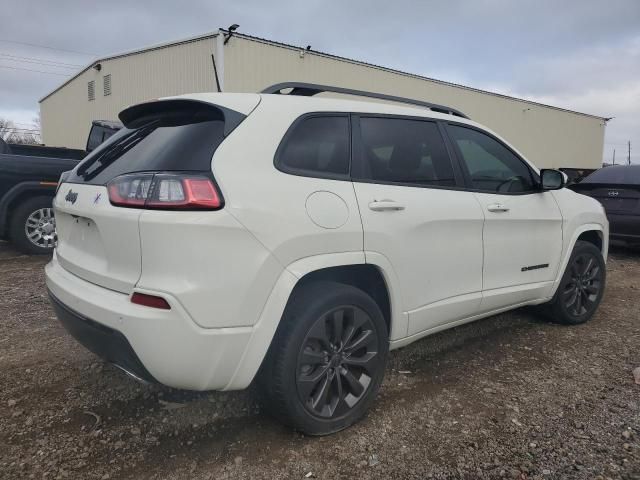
582	54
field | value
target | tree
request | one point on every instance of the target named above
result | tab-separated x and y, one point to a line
27	135
6	129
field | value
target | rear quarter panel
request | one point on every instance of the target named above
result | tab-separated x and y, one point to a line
215	268
273	205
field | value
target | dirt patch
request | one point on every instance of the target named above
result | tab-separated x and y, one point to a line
511	396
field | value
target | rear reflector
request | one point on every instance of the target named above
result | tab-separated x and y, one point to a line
150	301
166	191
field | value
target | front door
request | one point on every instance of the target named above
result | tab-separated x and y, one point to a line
523	225
416	220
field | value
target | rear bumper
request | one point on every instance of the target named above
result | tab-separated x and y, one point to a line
107	343
166	346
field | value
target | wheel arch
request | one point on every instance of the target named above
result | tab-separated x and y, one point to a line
17	194
594	233
363	276
594	237
349	268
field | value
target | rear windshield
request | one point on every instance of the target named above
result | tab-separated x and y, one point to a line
616	175
177	140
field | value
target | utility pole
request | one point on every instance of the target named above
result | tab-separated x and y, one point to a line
614	156
629	154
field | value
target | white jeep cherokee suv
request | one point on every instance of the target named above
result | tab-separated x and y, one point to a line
221	237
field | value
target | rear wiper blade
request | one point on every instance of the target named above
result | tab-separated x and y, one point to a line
109	156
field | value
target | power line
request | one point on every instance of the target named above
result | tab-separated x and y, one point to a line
21	129
43	61
49	48
38	63
37	71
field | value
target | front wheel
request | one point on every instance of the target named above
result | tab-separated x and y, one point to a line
581	288
327	359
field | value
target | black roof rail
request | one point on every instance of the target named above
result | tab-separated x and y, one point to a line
311	89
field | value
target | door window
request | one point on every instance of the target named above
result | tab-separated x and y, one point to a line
492	167
404	151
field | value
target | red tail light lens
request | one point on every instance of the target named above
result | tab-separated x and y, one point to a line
150	301
165	191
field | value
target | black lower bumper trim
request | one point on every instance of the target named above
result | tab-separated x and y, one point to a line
109	344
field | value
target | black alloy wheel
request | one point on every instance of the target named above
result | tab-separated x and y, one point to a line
581	288
581	293
337	361
327	359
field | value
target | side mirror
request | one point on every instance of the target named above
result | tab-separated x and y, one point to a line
552	179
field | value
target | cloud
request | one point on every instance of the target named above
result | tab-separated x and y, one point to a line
602	80
578	54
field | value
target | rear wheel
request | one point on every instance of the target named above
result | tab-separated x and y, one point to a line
581	288
33	226
327	359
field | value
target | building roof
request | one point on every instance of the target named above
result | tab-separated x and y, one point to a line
313	52
128	53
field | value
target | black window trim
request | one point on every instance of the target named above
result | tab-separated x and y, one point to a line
357	167
455	151
460	172
301	172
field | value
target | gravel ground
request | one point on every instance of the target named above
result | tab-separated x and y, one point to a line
511	396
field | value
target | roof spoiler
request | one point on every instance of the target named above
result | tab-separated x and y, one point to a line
143	113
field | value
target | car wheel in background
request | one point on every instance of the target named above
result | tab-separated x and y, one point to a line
581	288
33	226
327	359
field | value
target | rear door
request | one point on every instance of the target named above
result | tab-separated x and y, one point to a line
416	218
100	242
523	225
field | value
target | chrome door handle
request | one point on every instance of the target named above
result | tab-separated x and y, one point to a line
497	207
383	205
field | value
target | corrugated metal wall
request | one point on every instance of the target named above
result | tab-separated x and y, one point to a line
67	114
548	137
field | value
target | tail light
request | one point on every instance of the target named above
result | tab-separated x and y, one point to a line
165	191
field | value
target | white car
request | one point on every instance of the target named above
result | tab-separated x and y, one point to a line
221	237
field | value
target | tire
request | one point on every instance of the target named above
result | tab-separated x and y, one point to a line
302	365
26	219
582	286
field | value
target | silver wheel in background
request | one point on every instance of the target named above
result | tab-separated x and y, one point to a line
40	228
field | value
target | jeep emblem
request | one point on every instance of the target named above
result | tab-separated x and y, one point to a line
71	196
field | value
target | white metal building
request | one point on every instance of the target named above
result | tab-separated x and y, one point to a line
549	136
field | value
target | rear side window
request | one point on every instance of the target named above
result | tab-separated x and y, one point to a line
404	151
182	139
316	146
